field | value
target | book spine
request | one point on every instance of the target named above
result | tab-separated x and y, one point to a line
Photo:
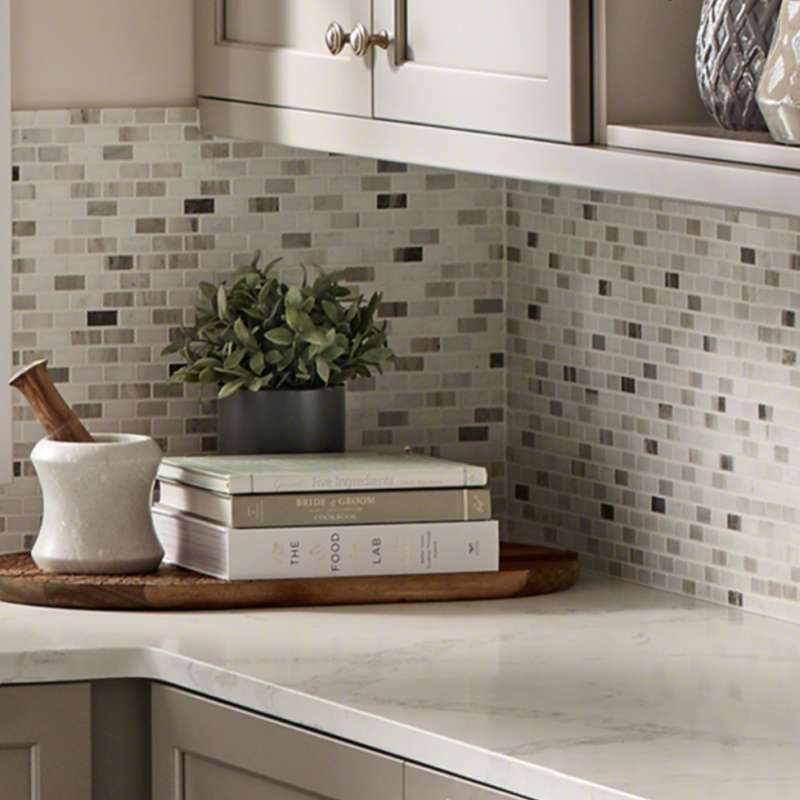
444	477
283	553
333	508
231	485
451	476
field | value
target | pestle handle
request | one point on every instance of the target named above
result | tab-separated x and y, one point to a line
57	418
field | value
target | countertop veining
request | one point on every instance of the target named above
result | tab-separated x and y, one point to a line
606	691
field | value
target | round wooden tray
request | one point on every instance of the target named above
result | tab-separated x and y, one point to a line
524	571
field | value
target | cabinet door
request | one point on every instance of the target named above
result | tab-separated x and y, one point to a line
517	67
424	784
273	52
205	750
45	742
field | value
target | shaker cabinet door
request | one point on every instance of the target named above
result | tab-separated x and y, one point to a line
273	52
45	742
517	67
205	750
425	784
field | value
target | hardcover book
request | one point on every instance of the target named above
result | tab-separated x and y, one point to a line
328	508
326	551
320	472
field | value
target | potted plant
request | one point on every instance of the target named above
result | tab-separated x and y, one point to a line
280	355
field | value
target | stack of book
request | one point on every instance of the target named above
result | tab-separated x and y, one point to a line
326	515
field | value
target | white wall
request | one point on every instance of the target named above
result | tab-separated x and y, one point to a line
102	53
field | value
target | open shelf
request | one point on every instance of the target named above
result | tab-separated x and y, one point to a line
646	91
705	140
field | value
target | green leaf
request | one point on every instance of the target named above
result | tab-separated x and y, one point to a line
280	336
243	333
222	302
231	388
239	372
323	369
206	362
255	385
298	320
316	336
208	289
271	264
294	298
332	311
208	375
376	356
273	357
333	352
326	279
179	376
264	292
351	312
257	363
254	313
286	359
235	358
173	347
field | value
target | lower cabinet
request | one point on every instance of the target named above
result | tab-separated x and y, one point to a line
425	784
46	742
205	750
82	741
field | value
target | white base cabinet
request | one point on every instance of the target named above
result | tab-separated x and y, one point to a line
425	784
108	740
205	750
45	742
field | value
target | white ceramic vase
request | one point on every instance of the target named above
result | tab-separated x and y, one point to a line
779	88
97	499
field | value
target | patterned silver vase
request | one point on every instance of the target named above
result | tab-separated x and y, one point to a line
732	45
779	89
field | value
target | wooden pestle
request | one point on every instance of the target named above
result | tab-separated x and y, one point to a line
59	421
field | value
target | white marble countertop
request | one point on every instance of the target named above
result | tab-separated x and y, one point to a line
606	691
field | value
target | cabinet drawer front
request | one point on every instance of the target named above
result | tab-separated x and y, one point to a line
199	744
517	67
45	742
273	52
424	784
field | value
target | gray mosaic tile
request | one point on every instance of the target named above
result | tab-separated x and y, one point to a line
653	397
120	213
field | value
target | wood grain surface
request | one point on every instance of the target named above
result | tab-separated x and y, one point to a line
58	420
524	571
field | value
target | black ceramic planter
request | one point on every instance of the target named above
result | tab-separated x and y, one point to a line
292	421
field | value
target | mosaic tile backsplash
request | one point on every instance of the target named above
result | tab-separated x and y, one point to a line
625	366
119	214
654	392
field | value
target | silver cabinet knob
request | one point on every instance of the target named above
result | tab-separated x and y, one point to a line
336	38
359	39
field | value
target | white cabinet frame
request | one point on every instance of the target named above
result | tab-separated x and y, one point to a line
6	441
554	105
279	75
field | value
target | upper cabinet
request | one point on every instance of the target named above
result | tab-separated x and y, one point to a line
598	93
273	52
514	67
517	67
